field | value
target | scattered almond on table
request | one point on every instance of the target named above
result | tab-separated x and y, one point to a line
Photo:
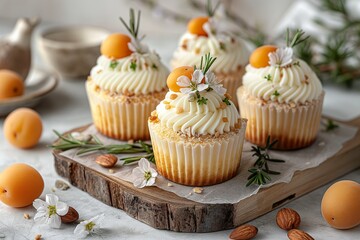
59	184
106	160
296	234
244	232
71	216
198	190
38	237
26	216
288	219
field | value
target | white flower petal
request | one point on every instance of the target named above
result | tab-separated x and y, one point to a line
144	164
140	182
40	217
137	172
183	81
219	89
150	182
39	203
98	220
186	90
207	28
80	231
131	47
52	199
54	221
62	208
201	87
153	172
197	76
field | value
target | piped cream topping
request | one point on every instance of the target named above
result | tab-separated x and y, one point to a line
135	74
294	83
178	113
229	51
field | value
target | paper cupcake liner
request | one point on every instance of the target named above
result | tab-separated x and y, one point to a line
194	163
232	81
293	126
121	117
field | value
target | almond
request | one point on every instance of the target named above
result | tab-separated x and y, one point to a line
296	234
106	160
71	216
243	232
288	218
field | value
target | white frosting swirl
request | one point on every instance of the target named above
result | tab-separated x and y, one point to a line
295	83
229	51
177	113
120	76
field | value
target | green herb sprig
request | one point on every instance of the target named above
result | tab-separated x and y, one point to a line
260	170
93	143
329	125
210	9
296	39
206	62
134	23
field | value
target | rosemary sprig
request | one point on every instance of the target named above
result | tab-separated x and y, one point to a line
210	9
133	26
206	62
260	170
329	125
93	144
296	39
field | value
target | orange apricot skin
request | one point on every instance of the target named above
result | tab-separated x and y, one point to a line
177	72
260	56
20	185
11	84
23	128
116	46
195	26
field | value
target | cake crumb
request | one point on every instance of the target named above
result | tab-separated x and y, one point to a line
111	170
53	189
222	105
170	185
59	184
217	134
227	96
321	144
225	119
173	96
131	141
237	126
179	110
198	190
26	216
154	113
38	237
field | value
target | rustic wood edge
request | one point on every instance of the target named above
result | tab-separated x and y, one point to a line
164	210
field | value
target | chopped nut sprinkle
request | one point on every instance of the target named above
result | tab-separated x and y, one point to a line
198	190
217	134
197	50
225	119
237	126
222	105
184	46
166	102
227	96
173	96
154	113
170	185
167	106
99	71
179	110
38	237
26	216
154	119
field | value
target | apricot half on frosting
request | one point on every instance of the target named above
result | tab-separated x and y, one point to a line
23	128
195	26
116	46
177	72
260	56
11	84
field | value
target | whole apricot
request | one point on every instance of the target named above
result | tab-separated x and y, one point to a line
23	128
260	56
340	206
20	185
195	26
116	46
177	72
11	84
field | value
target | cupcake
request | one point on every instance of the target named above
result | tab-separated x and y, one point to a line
196	131
126	85
281	97
205	35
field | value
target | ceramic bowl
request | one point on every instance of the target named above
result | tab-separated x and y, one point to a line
72	51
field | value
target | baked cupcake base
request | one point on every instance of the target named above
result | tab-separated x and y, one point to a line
122	117
294	126
197	161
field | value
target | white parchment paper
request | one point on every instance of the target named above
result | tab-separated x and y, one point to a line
326	145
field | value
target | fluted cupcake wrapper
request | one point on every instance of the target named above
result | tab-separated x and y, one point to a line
231	81
119	119
197	164
294	127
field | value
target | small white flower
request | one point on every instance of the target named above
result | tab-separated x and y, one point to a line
89	226
144	173
281	58
212	81
49	212
136	46
192	85
212	27
80	136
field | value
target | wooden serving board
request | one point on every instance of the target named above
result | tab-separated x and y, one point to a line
165	210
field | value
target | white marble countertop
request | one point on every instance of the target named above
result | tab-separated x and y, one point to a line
67	108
